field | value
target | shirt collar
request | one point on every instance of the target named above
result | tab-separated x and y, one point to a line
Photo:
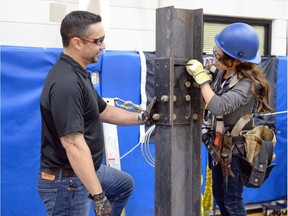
75	64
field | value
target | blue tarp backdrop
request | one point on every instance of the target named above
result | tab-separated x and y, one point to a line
23	71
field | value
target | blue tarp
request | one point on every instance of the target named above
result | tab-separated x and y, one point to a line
23	71
276	185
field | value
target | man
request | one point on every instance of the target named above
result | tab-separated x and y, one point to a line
72	140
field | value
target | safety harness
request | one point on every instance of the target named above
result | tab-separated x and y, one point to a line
223	141
221	144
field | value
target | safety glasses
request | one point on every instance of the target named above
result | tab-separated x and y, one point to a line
217	55
223	59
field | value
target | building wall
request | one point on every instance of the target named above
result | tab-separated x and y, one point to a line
129	24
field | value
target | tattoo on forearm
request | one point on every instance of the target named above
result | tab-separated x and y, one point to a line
71	138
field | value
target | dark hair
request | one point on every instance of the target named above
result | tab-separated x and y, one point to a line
260	86
77	23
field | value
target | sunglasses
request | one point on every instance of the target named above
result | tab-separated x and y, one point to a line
97	41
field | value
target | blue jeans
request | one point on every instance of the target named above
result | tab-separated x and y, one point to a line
67	196
228	197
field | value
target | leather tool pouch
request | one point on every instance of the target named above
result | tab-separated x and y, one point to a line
254	174
226	155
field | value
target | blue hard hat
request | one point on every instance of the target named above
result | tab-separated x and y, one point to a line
240	41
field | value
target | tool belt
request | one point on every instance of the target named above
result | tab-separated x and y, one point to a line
227	143
223	152
255	149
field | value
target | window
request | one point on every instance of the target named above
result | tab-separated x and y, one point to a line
213	25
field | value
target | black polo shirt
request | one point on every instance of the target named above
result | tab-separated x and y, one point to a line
69	103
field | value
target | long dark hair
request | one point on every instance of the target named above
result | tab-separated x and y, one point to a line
260	86
257	77
77	23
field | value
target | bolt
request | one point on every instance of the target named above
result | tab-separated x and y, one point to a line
194	116
187	97
188	84
174	116
164	98
156	117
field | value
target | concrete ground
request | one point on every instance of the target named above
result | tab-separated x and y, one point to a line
257	210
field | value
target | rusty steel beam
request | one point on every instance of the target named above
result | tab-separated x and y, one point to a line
179	37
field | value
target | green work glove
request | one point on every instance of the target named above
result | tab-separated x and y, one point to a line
148	117
102	206
195	69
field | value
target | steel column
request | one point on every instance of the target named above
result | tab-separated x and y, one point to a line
179	36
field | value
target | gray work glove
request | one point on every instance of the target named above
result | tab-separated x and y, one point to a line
147	117
102	206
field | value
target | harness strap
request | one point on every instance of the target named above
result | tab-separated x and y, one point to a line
219	119
219	124
238	127
233	82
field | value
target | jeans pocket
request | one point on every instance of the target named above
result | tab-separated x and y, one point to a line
77	191
48	195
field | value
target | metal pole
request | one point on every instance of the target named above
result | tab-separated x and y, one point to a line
178	132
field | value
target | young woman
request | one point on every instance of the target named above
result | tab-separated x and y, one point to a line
238	88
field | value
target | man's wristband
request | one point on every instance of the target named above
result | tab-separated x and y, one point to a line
97	197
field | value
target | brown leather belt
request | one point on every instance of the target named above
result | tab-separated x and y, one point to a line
59	172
